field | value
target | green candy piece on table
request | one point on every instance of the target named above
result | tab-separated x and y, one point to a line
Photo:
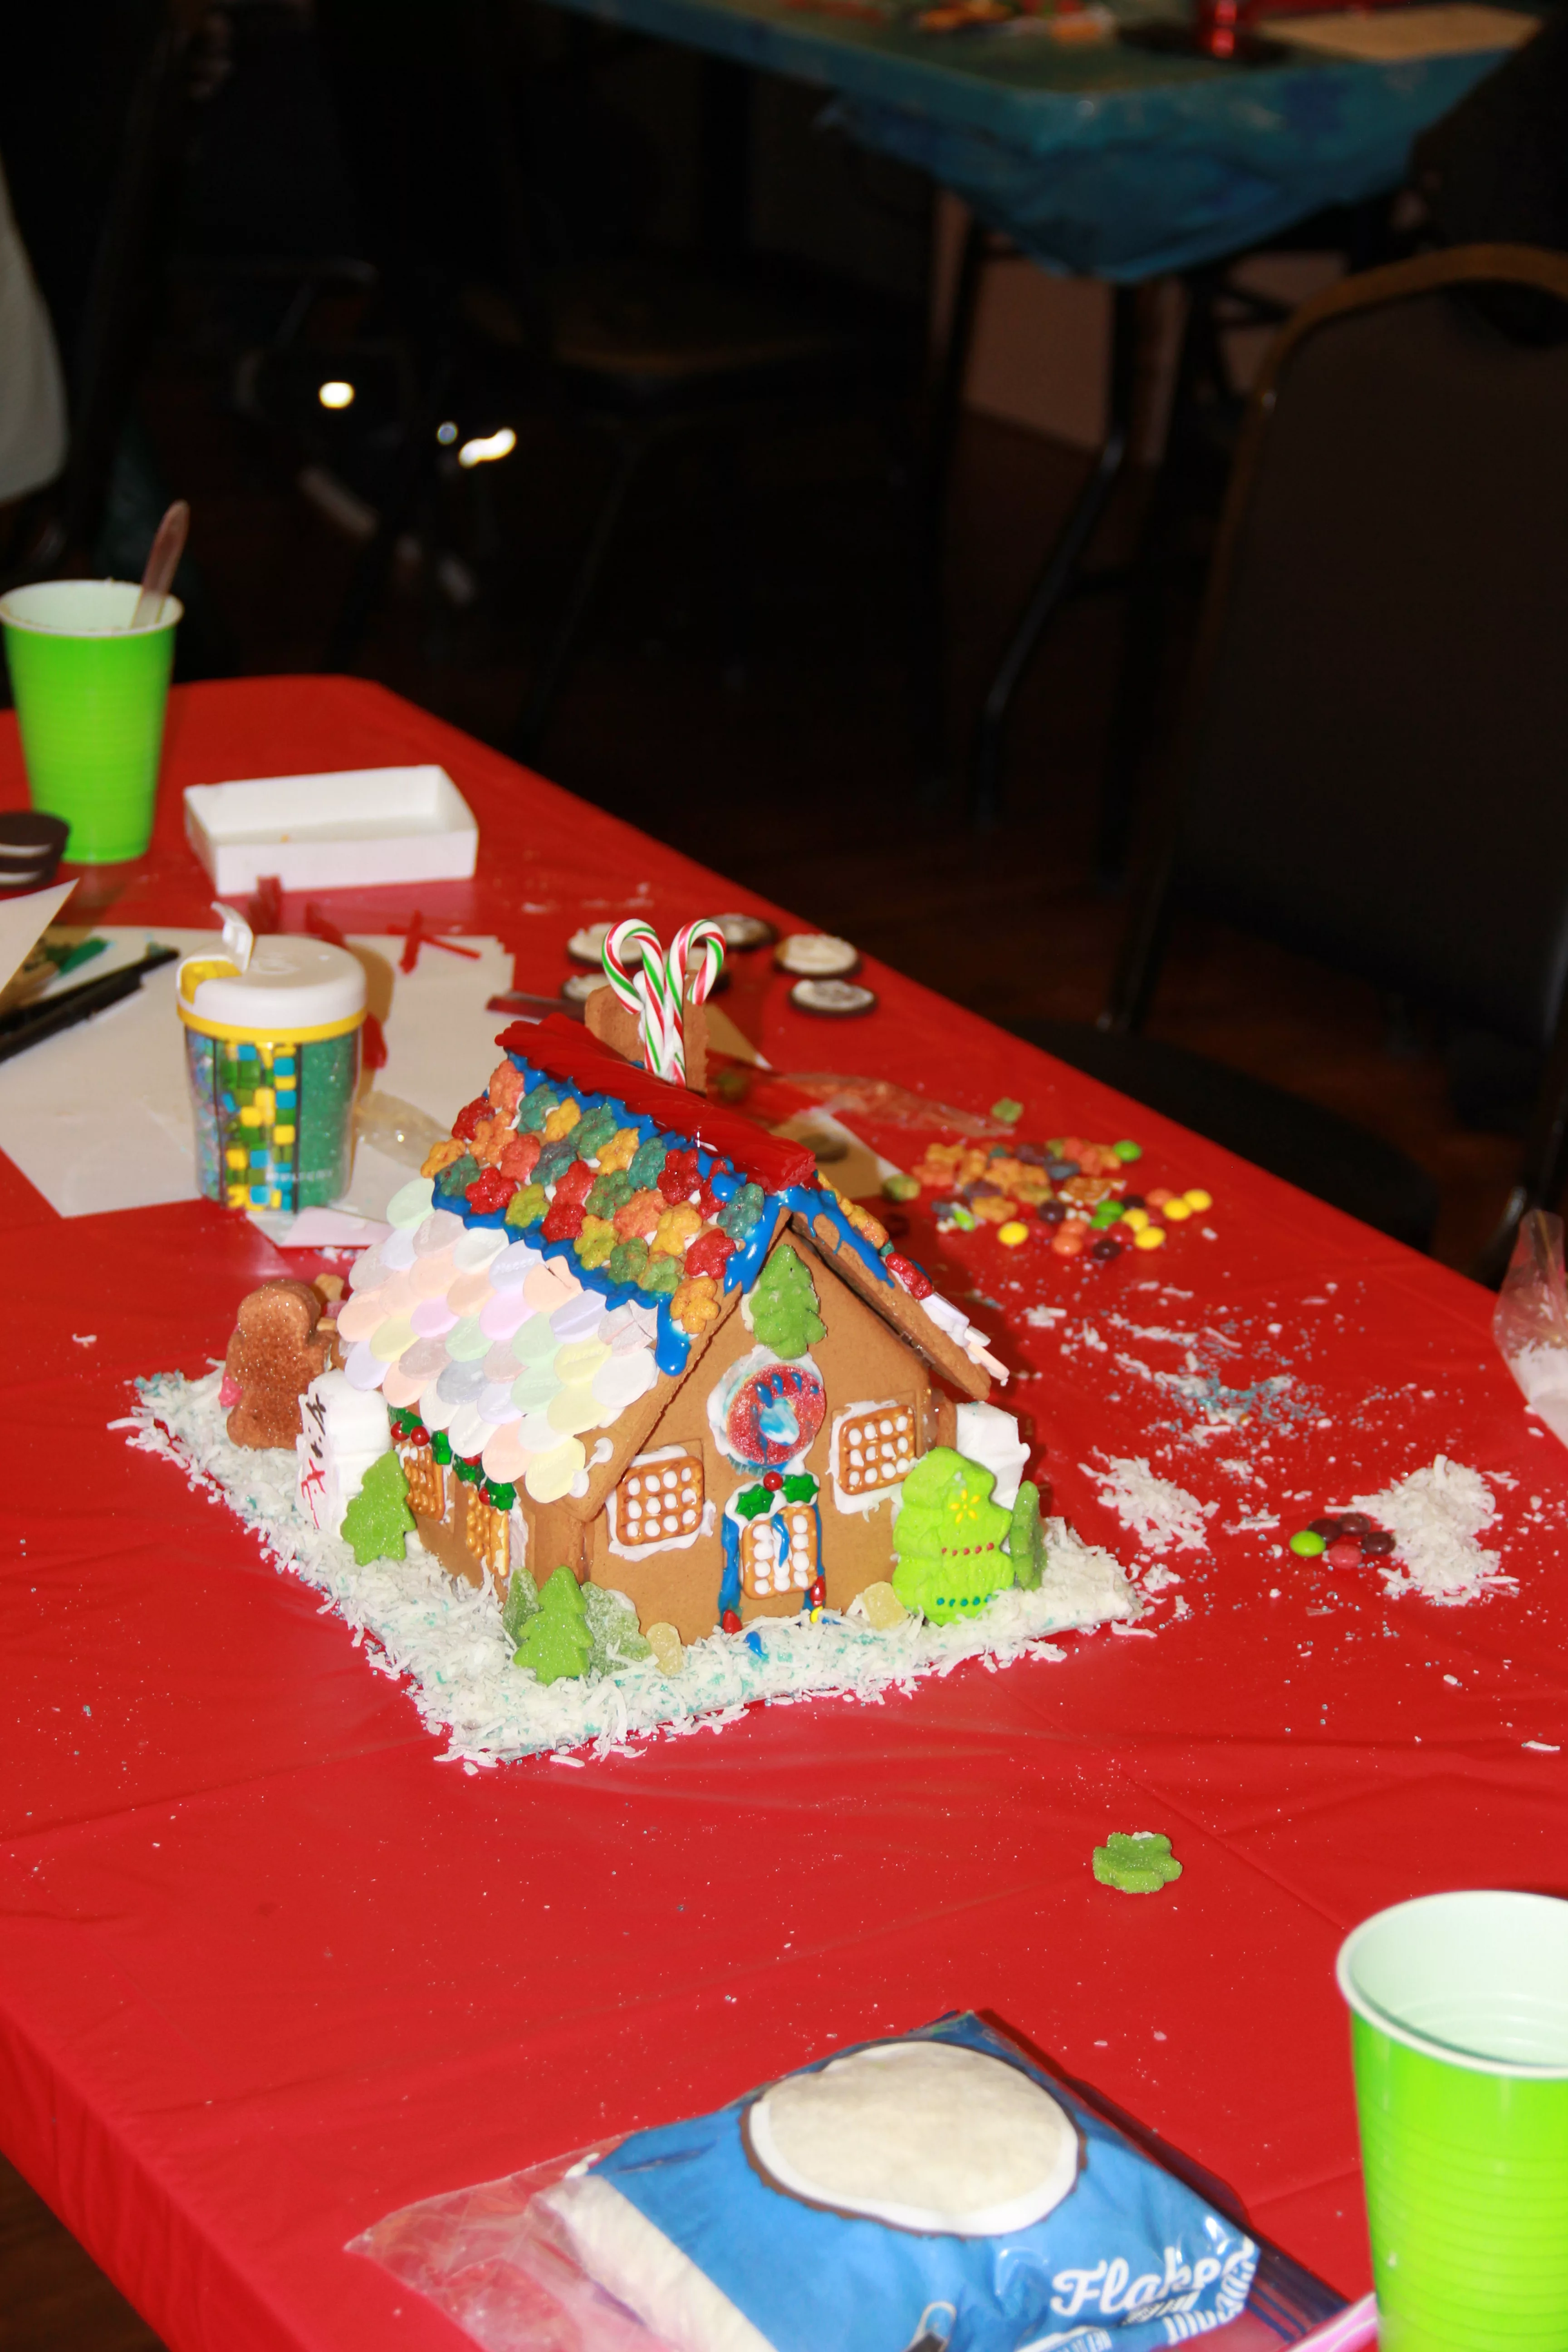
900	1188
1007	1112
521	1603
1027	1539
1140	1864
1306	1545
1106	1214
950	1537
378	1522
556	1643
1128	1150
784	1306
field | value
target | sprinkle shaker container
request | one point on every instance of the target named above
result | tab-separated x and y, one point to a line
272	1047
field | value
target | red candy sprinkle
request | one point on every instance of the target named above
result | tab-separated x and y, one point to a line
469	1118
772	1480
817	1595
708	1253
906	1274
1345	1552
489	1191
562	1220
731	1620
678	1178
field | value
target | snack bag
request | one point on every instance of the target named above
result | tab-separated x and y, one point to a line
935	2193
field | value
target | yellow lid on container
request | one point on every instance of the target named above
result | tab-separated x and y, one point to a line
281	986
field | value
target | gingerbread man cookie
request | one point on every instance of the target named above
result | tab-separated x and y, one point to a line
279	1346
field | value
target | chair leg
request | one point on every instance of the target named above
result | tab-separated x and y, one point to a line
1060	567
539	704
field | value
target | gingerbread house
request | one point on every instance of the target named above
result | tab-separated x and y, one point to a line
624	1329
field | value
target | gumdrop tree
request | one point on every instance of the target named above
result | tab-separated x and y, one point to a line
783	1306
556	1643
1027	1539
949	1538
378	1522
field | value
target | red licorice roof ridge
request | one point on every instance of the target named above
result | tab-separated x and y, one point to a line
563	1049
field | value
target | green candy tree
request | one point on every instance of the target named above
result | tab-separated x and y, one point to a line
783	1306
949	1538
1027	1539
556	1643
378	1522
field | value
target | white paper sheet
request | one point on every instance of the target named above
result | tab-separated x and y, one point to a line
24	922
99	1118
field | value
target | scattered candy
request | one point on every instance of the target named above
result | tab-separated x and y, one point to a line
665	1643
1176	1211
1344	1538
1013	1235
1139	1863
1136	1219
1152	1237
882	1606
1007	1112
1128	1150
1197	1200
900	1188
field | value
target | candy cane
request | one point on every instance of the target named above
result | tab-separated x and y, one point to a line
693	939
644	993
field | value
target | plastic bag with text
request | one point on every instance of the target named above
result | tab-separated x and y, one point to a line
938	2191
1531	1319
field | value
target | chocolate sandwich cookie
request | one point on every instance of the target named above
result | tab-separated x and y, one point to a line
817	955
838	1000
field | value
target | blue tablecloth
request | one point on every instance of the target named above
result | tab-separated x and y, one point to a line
1112	162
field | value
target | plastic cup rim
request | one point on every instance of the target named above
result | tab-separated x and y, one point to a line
170	614
1449	2053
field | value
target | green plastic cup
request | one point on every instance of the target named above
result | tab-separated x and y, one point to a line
1460	2034
90	693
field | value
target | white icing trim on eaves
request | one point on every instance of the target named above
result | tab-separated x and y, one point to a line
665	1543
960	1330
862	1506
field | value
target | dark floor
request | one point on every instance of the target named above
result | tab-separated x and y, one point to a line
796	774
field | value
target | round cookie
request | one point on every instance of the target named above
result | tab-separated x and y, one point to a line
920	2136
832	1000
744	931
817	955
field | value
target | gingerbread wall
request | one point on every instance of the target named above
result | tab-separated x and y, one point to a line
861	1362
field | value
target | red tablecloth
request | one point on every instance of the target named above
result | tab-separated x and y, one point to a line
268	1969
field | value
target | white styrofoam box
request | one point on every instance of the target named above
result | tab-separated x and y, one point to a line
345	830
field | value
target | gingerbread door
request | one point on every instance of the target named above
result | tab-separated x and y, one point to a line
779	1553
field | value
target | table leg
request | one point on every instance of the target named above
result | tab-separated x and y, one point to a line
1059	569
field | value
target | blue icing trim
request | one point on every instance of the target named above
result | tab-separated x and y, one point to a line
810	1202
742	1266
672	1346
730	1584
723	1183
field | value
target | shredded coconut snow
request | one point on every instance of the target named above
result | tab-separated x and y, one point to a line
1434	1516
448	1639
1162	1517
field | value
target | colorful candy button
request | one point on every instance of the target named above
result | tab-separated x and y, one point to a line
1125	1151
1136	1220
1197	1200
1013	1235
1306	1545
1151	1238
1177	1211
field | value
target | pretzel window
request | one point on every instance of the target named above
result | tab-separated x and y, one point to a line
660	1500
876	1448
